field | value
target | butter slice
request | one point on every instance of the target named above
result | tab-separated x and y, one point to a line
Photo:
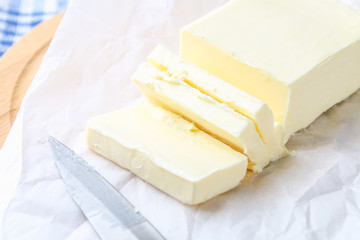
242	102
300	57
167	151
211	116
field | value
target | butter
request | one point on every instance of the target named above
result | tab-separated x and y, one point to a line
276	143
300	56
215	118
242	102
167	151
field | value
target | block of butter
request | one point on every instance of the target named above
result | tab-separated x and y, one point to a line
300	57
167	151
215	118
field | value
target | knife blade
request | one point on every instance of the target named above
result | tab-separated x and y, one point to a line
109	213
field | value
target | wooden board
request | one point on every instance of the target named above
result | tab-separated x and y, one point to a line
18	67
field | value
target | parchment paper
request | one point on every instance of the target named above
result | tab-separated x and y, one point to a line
313	194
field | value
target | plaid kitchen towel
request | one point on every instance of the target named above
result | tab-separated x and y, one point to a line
17	17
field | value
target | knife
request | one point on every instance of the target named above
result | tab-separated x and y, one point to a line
109	213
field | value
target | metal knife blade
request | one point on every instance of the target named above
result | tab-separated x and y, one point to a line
110	214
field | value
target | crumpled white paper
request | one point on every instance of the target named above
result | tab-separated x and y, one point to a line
313	194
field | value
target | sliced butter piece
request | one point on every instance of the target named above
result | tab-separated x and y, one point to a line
276	143
222	91
300	57
167	151
211	116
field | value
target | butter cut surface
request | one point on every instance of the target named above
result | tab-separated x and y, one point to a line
215	118
242	102
300	57
167	151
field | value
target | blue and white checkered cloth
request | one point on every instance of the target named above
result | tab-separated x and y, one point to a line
17	17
